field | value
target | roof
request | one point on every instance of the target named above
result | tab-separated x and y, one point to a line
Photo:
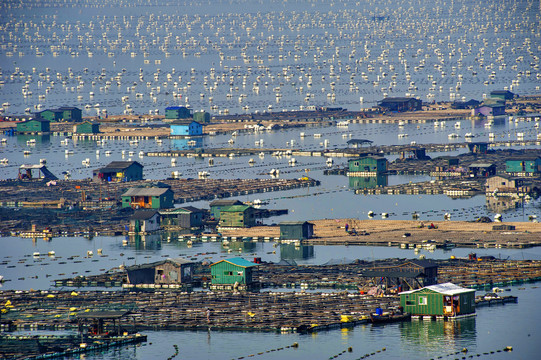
143	214
103	314
176	107
181	210
238	262
236	208
223	202
120	165
359	141
398	99
481	165
68	108
153	191
373	157
177	261
525	158
423	263
184	122
392	273
36	166
445	289
294	223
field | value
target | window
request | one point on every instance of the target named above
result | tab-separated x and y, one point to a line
410	303
423	300
240	273
228	273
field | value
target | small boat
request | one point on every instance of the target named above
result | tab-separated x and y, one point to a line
388	318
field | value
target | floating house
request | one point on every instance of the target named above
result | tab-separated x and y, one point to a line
413	274
185	217
490	107
144	221
233	274
401	104
367	165
482	169
447	300
65	113
118	171
506	184
502	94
217	205
169	272
524	165
148	198
237	216
296	230
478	147
201	117
87	127
186	128
177	112
34	126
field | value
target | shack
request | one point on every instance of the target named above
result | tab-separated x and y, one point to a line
489	108
482	169
148	198
296	230
217	205
99	319
411	275
34	126
368	164
232	274
414	153
118	171
177	112
201	117
237	216
401	104
87	127
186	128
525	165
35	172
186	217
144	221
64	113
478	147
448	300
169	271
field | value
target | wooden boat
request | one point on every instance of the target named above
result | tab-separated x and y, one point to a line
388	318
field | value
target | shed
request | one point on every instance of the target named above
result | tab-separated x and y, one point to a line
145	221
34	126
401	104
489	109
237	216
478	147
441	300
482	169
64	113
186	128
530	165
168	271
87	127
35	172
217	205
98	319
374	164
232	271
148	198
120	171
177	112
186	217
296	230
414	153
201	117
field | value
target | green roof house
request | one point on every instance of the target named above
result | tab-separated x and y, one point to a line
296	230
367	165
234	274
526	165
442	300
177	112
237	216
64	113
34	126
217	205
201	117
87	127
148	198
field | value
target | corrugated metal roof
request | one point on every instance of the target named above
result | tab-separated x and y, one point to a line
294	222
223	202
235	208
238	262
120	165
445	289
145	191
178	261
143	214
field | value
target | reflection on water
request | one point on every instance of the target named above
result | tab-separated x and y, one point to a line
503	203
186	144
367	182
292	251
439	336
145	242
